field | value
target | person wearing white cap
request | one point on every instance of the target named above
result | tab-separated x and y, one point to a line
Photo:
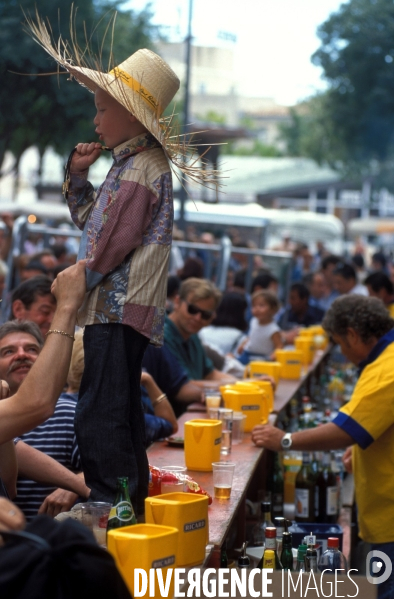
127	234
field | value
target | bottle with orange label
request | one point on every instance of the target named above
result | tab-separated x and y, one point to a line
270	545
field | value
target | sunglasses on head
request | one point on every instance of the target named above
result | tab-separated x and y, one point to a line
193	310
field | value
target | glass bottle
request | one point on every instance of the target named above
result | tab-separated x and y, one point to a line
311	559
258	532
122	512
281	526
305	491
333	559
268	559
286	556
270	545
301	551
327	492
316	466
223	556
243	559
307	417
276	487
293	415
338	469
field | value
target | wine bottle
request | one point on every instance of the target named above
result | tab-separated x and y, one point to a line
276	487
328	492
258	532
305	491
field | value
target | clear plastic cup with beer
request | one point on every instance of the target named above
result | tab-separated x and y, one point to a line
212	398
223	473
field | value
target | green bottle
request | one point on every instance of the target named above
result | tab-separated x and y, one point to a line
122	512
223	556
286	556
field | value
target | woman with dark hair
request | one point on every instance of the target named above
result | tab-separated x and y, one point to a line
228	329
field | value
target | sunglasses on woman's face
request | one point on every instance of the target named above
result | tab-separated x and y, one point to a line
193	310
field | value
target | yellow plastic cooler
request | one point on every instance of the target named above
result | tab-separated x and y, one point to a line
202	444
249	399
189	514
291	361
144	546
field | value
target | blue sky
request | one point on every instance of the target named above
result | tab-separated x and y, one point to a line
274	39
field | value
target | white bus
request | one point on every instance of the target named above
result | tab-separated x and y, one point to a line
265	226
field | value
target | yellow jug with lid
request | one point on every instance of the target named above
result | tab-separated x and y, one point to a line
252	402
203	440
307	332
268	389
305	345
291	361
144	546
257	384
189	514
271	368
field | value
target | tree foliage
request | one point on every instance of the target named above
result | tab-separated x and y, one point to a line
351	126
44	111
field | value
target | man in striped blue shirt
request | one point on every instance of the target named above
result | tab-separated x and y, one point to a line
57	461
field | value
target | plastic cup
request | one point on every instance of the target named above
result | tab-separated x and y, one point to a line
95	517
238	427
226	416
173	486
213	413
212	398
223	473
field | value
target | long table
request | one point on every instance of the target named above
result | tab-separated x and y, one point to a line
247	458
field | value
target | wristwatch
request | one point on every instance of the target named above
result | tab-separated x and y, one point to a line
286	441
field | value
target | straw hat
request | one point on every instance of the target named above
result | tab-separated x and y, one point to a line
144	84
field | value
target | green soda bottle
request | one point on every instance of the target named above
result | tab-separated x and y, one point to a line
122	512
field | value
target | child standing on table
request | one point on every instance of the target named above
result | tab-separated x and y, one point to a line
127	233
264	335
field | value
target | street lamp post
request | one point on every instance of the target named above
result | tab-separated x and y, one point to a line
183	192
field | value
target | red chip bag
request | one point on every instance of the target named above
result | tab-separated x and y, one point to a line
157	476
194	487
154	487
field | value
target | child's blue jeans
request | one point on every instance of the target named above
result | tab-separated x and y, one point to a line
109	418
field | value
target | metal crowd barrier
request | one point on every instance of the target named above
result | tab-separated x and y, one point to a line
20	232
219	255
216	257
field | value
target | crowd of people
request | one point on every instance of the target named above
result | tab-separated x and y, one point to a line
209	337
